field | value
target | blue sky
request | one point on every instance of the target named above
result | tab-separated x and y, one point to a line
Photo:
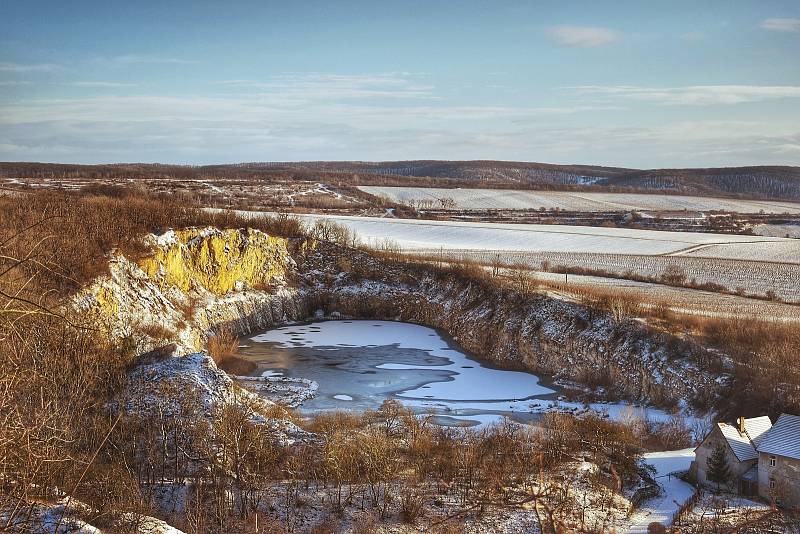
639	84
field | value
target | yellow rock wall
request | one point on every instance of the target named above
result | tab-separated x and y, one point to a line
219	261
192	280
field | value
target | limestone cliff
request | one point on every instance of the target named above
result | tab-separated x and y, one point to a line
192	281
217	261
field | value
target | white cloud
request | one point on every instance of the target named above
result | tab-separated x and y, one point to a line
384	116
781	25
315	86
695	95
101	84
256	127
582	36
268	109
132	59
34	67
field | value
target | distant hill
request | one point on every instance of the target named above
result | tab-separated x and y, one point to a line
761	182
747	182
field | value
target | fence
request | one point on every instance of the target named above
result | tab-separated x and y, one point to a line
690	503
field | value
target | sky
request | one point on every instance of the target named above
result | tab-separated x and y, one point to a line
644	84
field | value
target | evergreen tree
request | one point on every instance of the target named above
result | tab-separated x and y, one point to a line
718	470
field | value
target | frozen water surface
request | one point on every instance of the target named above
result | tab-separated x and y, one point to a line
359	364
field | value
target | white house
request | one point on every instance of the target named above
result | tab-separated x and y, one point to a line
763	459
779	462
740	444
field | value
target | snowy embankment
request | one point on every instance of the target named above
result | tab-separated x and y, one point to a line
675	492
70	516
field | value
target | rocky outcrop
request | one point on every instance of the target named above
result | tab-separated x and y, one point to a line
217	261
193	386
193	281
163	308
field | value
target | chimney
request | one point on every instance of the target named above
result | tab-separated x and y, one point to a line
740	421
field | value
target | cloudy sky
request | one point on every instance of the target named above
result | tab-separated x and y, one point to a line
627	83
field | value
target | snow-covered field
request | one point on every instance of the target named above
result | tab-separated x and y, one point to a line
785	251
679	299
482	199
675	491
754	277
449	235
778	230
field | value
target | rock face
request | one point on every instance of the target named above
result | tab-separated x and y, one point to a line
542	335
164	307
194	280
198	280
217	261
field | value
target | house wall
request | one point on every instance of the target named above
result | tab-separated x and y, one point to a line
706	450
786	474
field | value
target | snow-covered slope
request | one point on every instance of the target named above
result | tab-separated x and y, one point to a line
674	491
544	335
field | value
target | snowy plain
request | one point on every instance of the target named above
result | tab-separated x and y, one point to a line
510	199
452	235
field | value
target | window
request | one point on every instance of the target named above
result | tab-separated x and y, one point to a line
772	483
772	461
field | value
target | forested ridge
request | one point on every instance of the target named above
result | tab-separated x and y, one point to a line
762	182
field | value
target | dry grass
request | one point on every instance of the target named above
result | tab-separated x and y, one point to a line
54	243
222	348
222	345
57	376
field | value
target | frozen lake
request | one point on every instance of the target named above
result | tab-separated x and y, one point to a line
359	364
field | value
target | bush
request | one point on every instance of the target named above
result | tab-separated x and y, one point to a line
411	505
222	345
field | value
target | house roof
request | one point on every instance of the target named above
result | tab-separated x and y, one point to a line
744	444
756	427
740	444
783	439
751	474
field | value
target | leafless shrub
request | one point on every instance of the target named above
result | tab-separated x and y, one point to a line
411	504
222	345
327	230
364	522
